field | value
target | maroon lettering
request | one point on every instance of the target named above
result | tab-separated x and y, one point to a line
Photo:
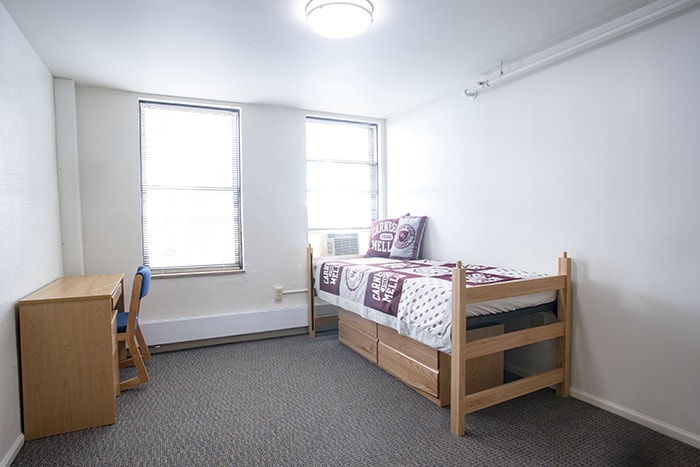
384	226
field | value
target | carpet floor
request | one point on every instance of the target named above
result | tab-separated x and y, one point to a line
295	401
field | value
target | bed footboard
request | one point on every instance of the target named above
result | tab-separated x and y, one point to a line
464	351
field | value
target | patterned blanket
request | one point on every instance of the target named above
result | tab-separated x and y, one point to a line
413	297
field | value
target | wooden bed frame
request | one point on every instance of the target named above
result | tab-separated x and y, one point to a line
474	380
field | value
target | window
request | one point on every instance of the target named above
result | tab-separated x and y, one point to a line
190	188
341	181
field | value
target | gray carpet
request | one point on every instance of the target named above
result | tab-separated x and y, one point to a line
296	401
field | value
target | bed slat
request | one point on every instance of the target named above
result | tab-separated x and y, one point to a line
486	292
508	391
512	340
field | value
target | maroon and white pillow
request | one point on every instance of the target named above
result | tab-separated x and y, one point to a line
408	237
381	237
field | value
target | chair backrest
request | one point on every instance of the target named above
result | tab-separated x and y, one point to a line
142	284
145	273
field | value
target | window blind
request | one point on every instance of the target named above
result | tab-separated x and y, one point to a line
341	178
190	188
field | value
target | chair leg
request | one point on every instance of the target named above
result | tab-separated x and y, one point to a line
125	360
122	350
143	347
141	373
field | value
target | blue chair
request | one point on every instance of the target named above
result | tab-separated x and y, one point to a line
129	333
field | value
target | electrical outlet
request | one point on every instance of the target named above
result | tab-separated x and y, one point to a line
278	293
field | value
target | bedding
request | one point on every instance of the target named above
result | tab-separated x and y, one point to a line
414	297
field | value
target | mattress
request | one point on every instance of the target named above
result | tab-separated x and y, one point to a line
415	297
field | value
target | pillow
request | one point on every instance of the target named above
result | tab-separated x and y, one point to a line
381	237
408	237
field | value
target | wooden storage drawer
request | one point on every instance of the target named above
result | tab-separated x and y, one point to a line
357	322
409	347
408	370
359	341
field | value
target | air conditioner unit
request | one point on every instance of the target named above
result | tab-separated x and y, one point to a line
338	244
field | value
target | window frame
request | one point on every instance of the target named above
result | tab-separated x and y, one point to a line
379	207
237	211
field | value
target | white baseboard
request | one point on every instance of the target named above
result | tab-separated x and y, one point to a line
169	331
629	414
644	420
12	453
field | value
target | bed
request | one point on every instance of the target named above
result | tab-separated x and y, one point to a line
462	314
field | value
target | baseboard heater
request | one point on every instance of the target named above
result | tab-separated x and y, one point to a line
169	331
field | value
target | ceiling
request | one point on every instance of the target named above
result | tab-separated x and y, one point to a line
262	52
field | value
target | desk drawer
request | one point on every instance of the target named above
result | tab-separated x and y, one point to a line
116	295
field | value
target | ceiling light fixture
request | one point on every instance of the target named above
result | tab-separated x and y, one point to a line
339	19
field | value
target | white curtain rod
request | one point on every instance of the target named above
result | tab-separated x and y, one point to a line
641	17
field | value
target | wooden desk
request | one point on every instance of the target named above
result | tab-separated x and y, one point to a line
68	352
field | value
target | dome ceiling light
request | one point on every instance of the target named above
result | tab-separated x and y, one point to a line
339	19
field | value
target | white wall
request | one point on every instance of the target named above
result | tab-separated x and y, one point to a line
598	156
274	221
30	242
